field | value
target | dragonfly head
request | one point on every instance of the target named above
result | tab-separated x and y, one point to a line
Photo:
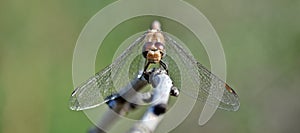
156	25
153	52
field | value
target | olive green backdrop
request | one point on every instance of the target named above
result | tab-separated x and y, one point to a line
260	39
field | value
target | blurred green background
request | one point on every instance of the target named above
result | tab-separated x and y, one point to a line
260	39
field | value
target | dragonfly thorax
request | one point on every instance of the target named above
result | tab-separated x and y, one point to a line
156	25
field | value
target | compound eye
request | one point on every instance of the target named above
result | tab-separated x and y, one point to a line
147	46
160	46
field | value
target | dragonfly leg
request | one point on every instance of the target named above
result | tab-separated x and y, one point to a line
145	73
146	66
164	65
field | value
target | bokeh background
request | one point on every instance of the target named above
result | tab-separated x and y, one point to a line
260	39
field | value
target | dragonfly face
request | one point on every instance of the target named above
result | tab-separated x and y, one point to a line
153	52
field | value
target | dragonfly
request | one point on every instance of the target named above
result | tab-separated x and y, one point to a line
157	48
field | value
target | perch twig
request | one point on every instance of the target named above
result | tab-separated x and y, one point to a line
161	84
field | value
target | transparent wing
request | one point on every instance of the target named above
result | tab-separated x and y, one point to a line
197	81
92	92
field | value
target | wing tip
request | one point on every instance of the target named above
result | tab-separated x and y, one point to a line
73	103
229	89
